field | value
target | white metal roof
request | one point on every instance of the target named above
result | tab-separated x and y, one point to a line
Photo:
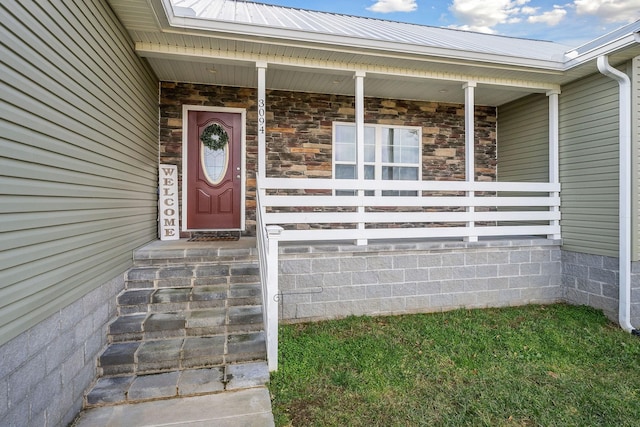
354	27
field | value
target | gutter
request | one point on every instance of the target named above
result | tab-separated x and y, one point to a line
624	238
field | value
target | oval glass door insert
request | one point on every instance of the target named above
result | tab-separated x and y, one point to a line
214	159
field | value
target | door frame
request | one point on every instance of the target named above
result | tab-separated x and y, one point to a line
243	161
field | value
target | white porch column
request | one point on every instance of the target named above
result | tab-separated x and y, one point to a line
470	155
554	149
262	120
359	106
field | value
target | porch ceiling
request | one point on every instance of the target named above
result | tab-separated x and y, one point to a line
331	81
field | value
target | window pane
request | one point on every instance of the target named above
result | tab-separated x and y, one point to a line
387	145
409	174
345	134
400	146
345	143
403	173
369	151
409	137
345	152
369	144
409	155
402	193
369	172
345	172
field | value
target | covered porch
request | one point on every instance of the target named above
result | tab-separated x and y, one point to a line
385	135
357	166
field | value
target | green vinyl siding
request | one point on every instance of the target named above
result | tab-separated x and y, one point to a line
78	169
523	140
523	146
589	165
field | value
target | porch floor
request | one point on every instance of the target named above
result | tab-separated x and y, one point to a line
242	244
248	245
414	244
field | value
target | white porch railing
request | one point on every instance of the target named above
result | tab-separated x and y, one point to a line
440	209
314	203
267	242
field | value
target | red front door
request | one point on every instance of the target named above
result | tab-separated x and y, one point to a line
214	174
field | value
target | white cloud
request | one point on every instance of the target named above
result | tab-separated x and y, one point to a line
476	28
610	10
387	6
529	10
484	15
551	18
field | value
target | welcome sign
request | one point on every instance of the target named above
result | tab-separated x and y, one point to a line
168	202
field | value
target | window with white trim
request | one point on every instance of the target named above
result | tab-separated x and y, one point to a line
390	153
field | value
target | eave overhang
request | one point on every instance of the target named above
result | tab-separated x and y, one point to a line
238	46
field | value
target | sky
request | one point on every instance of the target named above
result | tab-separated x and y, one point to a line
570	22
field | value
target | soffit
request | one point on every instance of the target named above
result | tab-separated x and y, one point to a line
137	15
332	82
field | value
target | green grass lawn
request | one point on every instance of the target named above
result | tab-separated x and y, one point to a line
555	365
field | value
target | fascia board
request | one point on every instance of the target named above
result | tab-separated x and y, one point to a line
606	49
154	50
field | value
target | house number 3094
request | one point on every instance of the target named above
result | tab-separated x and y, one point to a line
261	115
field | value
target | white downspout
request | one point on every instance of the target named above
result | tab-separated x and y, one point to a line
624	285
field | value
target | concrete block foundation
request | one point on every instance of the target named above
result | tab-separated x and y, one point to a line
330	280
46	370
593	280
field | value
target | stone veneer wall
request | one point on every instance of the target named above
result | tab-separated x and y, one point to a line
299	126
45	371
593	280
327	281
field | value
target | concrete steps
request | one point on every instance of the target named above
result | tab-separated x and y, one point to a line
187	325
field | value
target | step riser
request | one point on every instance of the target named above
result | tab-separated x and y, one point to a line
170	262
164	300
193	382
142	326
197	331
175	354
191	276
189	282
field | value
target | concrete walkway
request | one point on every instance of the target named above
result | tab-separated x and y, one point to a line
243	408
